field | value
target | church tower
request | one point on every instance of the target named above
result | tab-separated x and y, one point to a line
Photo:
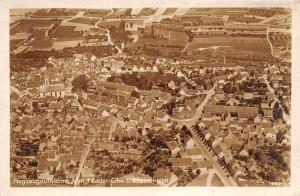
46	79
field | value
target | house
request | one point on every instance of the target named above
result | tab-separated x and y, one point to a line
218	151
270	96
229	139
203	166
213	141
162	116
244	152
132	132
55	107
173	147
234	167
165	178
189	143
232	101
267	109
287	139
206	134
241	112
183	163
105	114
80	124
90	104
193	153
123	113
45	165
248	95
237	147
227	156
135	117
207	116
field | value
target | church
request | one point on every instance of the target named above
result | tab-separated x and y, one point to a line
54	87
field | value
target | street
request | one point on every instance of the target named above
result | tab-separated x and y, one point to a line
228	181
82	161
285	116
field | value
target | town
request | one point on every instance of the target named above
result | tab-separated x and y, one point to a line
127	97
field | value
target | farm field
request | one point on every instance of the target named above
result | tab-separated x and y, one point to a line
54	12
66	32
18	14
108	23
60	44
116	22
121	12
40	44
175	36
84	20
98	30
233	13
214	10
135	21
78	26
27	25
147	12
159	42
169	11
161	45
14	43
237	43
248	20
97	12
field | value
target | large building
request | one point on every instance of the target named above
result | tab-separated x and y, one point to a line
56	89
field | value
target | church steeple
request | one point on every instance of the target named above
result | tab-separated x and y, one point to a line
46	79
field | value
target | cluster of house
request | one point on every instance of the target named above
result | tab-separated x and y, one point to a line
280	80
234	130
232	124
86	113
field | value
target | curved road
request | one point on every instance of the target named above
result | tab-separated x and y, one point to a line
192	121
271	46
108	36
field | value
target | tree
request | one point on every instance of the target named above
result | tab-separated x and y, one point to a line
277	113
149	170
80	83
128	169
122	26
135	94
279	137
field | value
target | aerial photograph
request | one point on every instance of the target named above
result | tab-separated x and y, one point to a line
150	97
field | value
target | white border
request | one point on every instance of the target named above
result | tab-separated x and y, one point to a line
5	188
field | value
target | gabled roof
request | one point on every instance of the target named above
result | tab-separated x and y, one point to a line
43	164
236	147
191	152
172	145
202	164
180	162
243	111
52	88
